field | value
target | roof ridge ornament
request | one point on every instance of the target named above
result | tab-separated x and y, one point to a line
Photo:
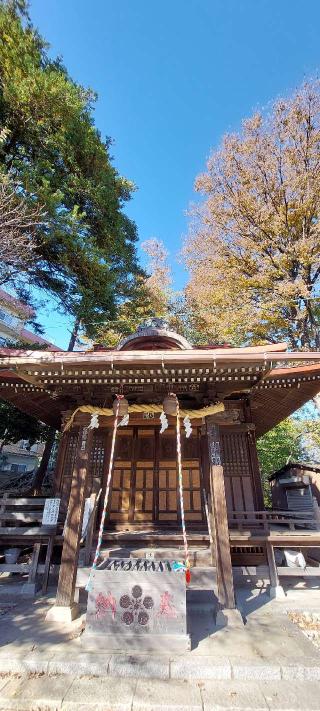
156	331
155	322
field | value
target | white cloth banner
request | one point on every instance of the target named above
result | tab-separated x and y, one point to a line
88	509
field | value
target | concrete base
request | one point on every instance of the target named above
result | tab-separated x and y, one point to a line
57	613
276	592
163	644
29	589
229	618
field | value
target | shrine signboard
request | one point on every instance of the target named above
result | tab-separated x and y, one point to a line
50	512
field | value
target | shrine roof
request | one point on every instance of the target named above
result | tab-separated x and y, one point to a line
303	466
46	383
193	354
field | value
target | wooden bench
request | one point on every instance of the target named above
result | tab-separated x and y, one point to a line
15	513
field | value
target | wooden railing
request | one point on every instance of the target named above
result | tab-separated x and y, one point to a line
264	520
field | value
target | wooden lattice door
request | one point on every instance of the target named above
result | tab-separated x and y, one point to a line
143	475
120	500
169	502
145	481
241	473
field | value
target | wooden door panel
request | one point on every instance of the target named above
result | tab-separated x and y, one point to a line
124	444
168	483
192	491
167	447
238	469
145	481
145	445
143	491
121	491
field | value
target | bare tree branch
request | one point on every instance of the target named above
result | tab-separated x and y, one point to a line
19	224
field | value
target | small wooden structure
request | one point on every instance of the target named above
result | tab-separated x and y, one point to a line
295	486
255	387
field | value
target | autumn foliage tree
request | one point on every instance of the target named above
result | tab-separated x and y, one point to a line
152	296
253	251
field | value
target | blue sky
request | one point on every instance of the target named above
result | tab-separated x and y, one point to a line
172	76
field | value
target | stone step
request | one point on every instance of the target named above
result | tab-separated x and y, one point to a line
70	693
187	666
203	580
94	694
199	557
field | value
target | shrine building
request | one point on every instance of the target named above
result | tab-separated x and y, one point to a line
227	398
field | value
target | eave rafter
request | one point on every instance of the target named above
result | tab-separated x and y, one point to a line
146	376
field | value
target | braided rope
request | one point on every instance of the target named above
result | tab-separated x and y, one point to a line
183	523
106	498
107	411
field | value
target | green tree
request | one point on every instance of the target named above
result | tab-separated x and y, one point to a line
83	249
50	148
278	447
16	425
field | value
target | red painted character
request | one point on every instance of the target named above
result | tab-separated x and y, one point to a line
105	603
166	606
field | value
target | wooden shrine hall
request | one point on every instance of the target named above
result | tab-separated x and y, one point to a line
229	397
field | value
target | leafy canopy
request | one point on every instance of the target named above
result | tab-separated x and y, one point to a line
51	149
153	297
16	425
254	247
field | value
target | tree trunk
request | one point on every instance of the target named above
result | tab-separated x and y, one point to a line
3	441
74	334
42	468
316	401
41	471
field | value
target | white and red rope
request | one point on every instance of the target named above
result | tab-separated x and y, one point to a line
106	498
108	485
180	481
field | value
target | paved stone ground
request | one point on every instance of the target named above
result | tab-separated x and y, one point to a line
268	647
70	693
263	664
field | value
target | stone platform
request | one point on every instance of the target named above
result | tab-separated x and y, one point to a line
267	647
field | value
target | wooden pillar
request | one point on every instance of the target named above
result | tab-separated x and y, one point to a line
254	459
316	513
255	467
58	472
64	608
220	519
276	590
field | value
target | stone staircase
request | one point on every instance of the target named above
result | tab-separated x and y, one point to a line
199	557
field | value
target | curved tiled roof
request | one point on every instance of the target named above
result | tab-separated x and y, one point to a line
44	383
